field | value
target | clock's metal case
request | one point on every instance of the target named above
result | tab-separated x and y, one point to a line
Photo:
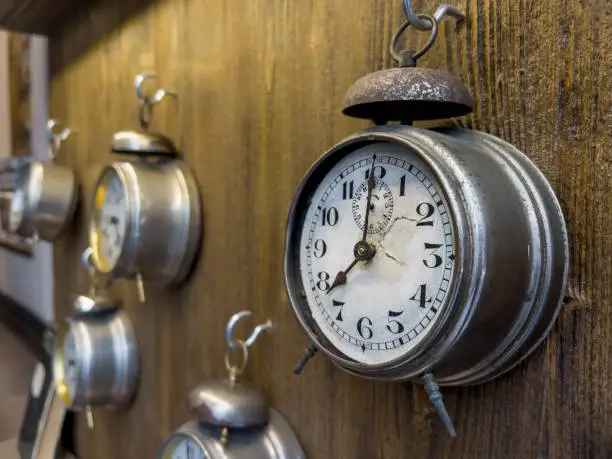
49	196
511	264
108	359
164	224
274	440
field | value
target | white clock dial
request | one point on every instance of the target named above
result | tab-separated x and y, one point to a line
111	215
71	371
390	302
184	448
17	208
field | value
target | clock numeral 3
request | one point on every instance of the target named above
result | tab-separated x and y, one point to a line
421	296
320	248
437	259
347	190
330	216
364	328
425	210
338	304
322	283
395	326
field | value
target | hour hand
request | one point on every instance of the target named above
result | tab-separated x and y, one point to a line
341	276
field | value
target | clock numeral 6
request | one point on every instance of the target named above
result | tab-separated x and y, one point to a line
364	328
329	216
322	283
395	326
425	210
437	259
320	248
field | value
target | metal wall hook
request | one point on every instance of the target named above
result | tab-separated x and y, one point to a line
159	94
56	136
442	11
258	330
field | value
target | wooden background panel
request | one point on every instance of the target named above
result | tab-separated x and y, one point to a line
260	88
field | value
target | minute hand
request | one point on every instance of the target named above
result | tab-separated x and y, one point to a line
369	200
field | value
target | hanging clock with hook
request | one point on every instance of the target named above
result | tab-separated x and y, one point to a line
432	255
46	194
146	219
96	358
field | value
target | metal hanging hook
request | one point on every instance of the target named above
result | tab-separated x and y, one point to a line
56	137
258	330
146	102
442	11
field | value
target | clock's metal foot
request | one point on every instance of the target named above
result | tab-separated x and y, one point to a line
309	354
436	399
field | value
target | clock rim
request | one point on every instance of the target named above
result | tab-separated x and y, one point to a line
429	349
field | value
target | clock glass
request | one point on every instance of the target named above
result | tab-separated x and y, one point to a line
109	220
377	252
184	447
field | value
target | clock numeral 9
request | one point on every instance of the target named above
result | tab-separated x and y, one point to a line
320	248
395	326
322	283
425	210
364	328
437	259
421	296
330	216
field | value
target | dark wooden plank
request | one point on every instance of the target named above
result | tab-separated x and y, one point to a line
260	88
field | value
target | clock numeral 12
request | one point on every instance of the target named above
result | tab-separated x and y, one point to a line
379	172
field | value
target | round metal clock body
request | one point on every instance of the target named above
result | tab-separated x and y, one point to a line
195	440
44	200
96	360
461	271
146	220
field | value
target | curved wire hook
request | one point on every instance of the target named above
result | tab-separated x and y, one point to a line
56	136
441	12
258	330
159	95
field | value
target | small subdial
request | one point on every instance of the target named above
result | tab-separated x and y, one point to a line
381	206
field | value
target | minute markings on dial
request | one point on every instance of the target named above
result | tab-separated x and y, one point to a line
331	315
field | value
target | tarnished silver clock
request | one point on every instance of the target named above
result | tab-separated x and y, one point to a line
432	255
146	219
96	360
45	196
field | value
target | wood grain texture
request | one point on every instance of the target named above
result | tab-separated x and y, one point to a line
260	88
35	16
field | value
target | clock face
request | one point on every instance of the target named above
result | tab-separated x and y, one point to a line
387	303
110	221
69	352
183	447
17	208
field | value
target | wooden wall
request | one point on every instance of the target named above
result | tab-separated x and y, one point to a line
261	84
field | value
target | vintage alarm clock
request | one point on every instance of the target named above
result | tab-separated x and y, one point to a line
146	220
233	420
437	256
45	195
96	357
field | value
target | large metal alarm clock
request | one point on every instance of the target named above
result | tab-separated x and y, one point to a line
432	255
96	360
146	219
45	196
